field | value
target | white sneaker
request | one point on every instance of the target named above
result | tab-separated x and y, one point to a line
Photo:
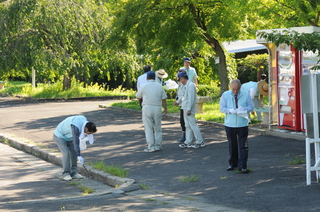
77	176
67	178
149	150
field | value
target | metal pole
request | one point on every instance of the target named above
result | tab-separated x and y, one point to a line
86	170
33	77
308	162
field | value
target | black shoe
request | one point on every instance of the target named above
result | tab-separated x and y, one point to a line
244	171
230	168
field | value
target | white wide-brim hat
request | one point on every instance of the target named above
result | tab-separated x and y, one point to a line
263	88
162	73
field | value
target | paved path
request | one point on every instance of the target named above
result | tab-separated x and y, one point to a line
272	186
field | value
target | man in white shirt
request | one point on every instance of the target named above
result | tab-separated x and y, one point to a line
189	99
154	96
143	79
193	77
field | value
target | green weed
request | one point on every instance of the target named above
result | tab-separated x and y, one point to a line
188	179
85	190
74	183
113	169
144	187
295	160
150	200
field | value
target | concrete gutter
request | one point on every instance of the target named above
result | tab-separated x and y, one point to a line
55	158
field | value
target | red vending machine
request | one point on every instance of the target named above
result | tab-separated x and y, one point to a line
288	84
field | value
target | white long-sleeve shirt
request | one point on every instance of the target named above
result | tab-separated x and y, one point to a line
189	97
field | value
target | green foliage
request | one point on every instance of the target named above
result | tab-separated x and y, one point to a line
113	169
171	30
13	87
249	67
300	41
208	90
62	38
283	13
55	90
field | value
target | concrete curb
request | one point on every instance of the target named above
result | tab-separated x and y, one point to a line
55	158
263	131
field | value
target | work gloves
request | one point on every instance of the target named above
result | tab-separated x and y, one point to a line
81	160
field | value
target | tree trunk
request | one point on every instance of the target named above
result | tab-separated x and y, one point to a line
215	45
223	72
66	82
259	72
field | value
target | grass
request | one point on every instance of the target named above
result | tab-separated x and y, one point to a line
150	200
113	169
13	87
85	190
134	104
295	160
144	187
54	90
188	179
189	198
211	110
74	183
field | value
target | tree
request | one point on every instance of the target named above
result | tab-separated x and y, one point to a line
180	27
251	67
61	38
284	13
300	41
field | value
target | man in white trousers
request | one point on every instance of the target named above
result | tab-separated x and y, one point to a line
189	99
154	97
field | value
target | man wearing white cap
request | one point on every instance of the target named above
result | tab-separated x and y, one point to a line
188	99
154	97
71	136
192	77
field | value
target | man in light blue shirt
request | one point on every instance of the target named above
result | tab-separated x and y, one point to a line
67	136
191	72
236	104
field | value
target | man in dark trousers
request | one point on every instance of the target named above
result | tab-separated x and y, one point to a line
236	104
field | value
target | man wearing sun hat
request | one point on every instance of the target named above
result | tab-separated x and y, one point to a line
154	97
254	89
161	75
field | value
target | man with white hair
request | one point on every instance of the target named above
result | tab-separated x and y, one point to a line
234	103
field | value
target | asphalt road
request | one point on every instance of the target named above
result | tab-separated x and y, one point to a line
273	184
